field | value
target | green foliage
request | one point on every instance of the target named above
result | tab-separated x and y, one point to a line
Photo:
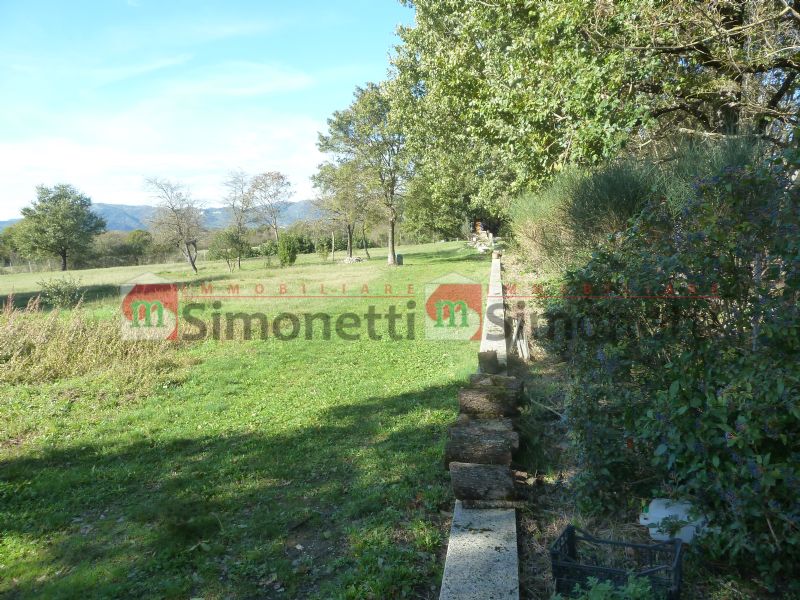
59	222
8	243
64	292
366	137
140	243
565	219
229	245
322	247
561	223
687	361
431	212
348	194
305	242
268	249
288	248
495	97
634	589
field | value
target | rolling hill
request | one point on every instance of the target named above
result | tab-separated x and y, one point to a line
127	217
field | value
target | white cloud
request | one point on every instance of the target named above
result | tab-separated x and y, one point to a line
171	32
238	78
112	168
194	129
111	74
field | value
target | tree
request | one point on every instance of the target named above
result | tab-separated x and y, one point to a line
177	221
720	68
288	248
345	196
230	246
59	222
9	246
270	193
241	204
373	216
365	133
140	244
434	210
110	249
494	97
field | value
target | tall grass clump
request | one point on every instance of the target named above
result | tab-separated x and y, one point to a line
560	223
683	163
44	347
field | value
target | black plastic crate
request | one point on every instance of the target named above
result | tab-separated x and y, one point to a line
576	556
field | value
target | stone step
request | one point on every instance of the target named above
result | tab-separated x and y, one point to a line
481	561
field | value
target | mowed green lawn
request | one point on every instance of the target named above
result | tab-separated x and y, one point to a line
258	469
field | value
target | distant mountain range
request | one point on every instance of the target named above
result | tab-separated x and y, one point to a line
126	217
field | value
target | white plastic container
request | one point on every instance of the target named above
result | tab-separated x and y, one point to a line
664	508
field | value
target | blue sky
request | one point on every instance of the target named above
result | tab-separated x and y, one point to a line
103	94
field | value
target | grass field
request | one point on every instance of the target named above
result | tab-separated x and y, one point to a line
246	469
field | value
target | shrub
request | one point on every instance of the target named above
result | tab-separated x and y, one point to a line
634	589
560	223
687	369
305	242
538	231
230	246
323	248
287	249
61	293
268	249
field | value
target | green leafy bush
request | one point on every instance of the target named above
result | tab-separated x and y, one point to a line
579	208
560	224
288	248
268	249
634	589
64	292
687	366
323	247
230	246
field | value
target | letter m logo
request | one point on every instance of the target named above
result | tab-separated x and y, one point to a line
450	307
453	308
143	309
149	311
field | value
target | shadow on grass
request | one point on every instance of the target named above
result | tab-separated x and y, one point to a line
218	515
440	256
100	292
91	293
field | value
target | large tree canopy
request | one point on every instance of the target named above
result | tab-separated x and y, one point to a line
59	222
494	96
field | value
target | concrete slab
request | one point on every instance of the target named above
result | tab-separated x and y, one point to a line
481	561
493	338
